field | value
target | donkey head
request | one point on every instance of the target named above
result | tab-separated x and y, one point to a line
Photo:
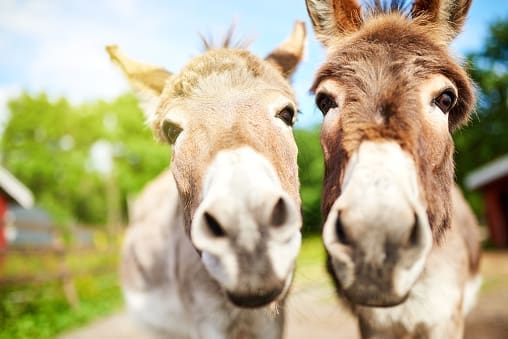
228	116
391	95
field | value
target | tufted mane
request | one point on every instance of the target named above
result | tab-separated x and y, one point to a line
228	41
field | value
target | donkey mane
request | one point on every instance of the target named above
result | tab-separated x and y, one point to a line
227	41
375	7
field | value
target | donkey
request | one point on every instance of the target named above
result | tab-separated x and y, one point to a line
402	244
212	244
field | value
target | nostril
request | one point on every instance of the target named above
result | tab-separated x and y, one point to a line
414	237
339	231
213	226
279	213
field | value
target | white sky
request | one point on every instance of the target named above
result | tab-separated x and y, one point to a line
57	46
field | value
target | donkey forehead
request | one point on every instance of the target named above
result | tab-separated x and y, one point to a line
230	111
395	59
224	87
370	63
220	70
388	46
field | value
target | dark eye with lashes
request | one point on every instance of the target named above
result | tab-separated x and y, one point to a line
287	115
325	102
445	101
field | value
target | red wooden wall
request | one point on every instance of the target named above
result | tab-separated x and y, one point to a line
3	212
496	211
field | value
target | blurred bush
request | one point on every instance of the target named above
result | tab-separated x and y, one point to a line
81	162
486	136
40	309
311	169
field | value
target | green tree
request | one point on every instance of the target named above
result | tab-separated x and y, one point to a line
47	145
486	137
310	165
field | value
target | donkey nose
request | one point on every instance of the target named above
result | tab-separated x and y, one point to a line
379	237
218	222
212	227
284	219
279	213
209	233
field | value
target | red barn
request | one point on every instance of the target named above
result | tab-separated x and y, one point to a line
11	191
492	181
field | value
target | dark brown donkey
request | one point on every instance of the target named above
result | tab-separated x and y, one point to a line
402	243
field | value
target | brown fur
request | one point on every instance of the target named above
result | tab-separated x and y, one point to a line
289	53
347	16
332	19
403	54
380	69
446	13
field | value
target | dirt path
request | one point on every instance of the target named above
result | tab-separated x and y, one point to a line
489	319
314	312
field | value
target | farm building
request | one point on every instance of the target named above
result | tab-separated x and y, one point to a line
492	181
12	192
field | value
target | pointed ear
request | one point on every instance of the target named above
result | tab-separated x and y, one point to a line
287	56
334	18
449	15
146	80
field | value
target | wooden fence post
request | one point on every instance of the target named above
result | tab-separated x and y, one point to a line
67	279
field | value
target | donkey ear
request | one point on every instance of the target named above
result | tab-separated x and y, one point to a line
146	80
287	56
334	18
447	14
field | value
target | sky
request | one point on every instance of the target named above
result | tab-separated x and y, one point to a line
57	46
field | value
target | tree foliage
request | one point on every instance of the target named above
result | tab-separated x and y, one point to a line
486	137
47	145
311	170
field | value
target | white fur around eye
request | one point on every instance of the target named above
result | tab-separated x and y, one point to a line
275	108
435	117
432	114
332	89
333	114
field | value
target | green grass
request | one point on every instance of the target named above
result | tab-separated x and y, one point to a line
310	264
41	311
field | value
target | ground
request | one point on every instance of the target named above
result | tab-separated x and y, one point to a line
315	313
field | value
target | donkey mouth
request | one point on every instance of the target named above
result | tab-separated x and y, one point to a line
254	300
375	299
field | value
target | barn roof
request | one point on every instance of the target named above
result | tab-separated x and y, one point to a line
488	173
14	189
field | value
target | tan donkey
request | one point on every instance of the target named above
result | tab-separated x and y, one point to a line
403	246
212	244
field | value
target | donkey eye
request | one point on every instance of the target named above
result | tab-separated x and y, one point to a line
287	115
325	102
171	131
445	101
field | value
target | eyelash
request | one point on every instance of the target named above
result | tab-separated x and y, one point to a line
325	102
287	115
446	94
